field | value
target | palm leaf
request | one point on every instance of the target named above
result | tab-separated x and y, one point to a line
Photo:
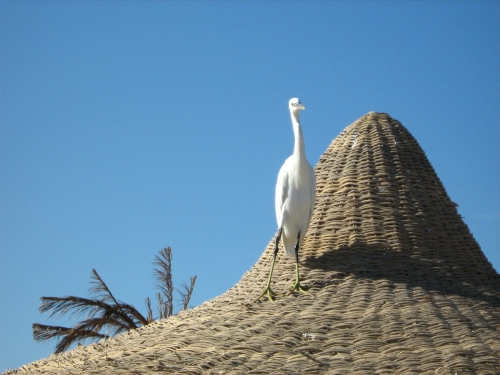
75	335
100	288
43	332
188	291
133	314
162	306
149	309
105	311
113	326
164	278
76	305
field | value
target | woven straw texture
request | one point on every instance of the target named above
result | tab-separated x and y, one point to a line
398	285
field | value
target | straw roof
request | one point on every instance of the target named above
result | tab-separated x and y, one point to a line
398	285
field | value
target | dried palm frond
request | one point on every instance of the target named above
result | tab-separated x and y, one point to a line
163	308
76	335
133	314
105	311
164	278
187	292
149	309
114	318
77	305
91	307
43	332
100	289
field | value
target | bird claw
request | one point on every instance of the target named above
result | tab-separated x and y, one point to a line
297	286
271	295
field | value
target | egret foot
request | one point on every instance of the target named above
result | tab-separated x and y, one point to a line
268	291
270	294
297	286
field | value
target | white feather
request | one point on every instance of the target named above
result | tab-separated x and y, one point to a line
295	188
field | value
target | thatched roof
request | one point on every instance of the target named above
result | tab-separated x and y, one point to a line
398	285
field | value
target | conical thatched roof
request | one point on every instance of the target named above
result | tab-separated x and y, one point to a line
398	285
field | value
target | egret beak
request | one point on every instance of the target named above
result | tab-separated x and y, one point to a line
301	106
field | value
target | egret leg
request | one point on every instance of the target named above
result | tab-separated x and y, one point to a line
297	285
268	291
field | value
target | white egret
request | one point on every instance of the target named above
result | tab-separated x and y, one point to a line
294	200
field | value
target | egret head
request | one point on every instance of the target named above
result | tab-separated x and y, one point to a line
295	105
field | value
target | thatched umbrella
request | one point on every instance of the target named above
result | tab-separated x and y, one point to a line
398	285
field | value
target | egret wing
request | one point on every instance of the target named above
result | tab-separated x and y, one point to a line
281	192
313	191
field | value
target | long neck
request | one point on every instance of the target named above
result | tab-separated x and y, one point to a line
299	149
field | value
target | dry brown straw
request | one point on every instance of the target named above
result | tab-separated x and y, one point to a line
398	285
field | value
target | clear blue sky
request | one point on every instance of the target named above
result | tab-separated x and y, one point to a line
131	126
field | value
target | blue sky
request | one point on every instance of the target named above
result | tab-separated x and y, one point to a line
126	127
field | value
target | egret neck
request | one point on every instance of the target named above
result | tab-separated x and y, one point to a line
299	150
